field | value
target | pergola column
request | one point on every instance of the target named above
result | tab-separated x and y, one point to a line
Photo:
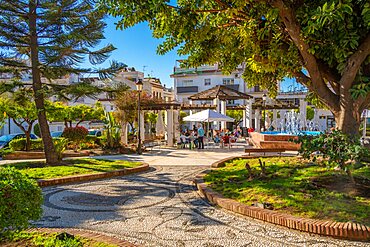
169	127
223	111
303	111
176	126
124	136
257	119
247	114
191	113
275	119
216	102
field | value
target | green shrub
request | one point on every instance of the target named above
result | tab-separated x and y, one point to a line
37	144
21	200
60	145
5	151
337	149
75	134
20	144
92	139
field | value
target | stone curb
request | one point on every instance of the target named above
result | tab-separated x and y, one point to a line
88	177
348	230
87	234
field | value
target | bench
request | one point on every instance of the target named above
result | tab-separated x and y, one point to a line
151	144
265	150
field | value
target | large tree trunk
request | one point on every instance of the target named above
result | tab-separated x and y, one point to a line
50	154
348	119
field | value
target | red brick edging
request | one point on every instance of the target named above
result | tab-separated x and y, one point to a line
348	230
88	234
88	177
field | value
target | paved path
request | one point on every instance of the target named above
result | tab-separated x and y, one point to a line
162	208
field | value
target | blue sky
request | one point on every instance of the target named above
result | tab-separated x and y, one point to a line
137	48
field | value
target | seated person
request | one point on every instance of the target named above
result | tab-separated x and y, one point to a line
226	139
216	138
183	140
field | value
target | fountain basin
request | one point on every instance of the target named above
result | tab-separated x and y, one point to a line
278	140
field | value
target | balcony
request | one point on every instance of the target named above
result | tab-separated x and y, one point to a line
191	89
198	70
235	87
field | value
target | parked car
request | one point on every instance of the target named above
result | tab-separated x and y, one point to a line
94	132
56	134
6	139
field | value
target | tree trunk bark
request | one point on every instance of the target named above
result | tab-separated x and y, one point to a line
28	140
50	154
348	119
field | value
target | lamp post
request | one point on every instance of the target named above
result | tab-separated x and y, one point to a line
264	111
139	87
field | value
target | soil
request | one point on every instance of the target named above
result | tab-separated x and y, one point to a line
342	184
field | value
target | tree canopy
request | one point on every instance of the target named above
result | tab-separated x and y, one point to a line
324	44
20	107
59	112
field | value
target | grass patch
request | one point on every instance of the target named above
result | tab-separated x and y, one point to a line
297	187
31	239
39	170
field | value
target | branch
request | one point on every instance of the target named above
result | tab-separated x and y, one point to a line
354	63
294	30
19	125
210	10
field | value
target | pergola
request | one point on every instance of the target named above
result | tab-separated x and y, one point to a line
171	110
220	92
220	95
251	108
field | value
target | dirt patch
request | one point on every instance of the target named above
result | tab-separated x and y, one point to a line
342	184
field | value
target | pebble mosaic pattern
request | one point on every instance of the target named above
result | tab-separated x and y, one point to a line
163	208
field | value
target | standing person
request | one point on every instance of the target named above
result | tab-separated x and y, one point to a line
200	137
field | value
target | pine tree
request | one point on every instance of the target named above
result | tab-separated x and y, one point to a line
49	39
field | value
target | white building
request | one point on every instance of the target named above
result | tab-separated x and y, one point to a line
190	81
128	77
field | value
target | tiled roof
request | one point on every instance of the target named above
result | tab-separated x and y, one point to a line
221	92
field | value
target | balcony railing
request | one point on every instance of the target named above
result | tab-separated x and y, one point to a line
191	89
178	70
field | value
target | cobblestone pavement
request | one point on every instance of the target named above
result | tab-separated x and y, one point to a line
162	208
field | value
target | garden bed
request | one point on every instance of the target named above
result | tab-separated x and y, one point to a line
71	167
296	187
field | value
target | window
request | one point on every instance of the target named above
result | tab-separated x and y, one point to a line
187	83
228	81
207	82
231	102
256	88
111	108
